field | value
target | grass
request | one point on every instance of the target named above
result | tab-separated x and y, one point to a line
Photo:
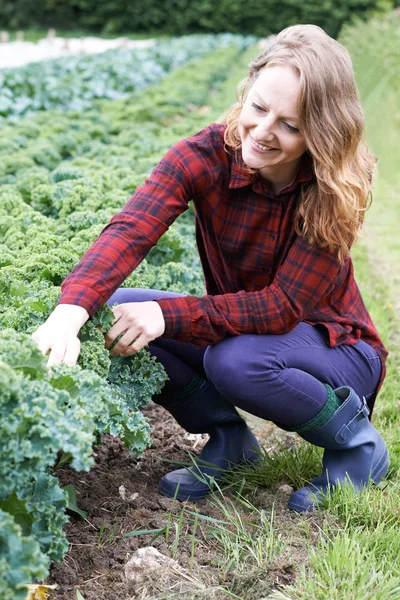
348	565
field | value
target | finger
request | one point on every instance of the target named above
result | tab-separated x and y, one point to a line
118	311
115	331
123	344
125	341
57	354
42	343
72	352
137	345
44	346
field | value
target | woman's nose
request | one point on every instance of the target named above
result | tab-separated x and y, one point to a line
266	128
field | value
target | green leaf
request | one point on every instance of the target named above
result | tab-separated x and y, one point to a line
65	382
71	501
143	532
17	508
65	459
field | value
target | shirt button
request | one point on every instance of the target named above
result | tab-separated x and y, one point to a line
272	236
266	269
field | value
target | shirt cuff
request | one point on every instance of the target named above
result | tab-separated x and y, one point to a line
177	317
82	296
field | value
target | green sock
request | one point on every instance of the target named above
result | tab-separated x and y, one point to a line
323	416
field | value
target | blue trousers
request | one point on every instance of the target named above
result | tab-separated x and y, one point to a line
276	377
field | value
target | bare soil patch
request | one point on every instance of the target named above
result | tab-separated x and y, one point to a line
120	494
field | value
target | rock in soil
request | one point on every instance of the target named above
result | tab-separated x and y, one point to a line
148	568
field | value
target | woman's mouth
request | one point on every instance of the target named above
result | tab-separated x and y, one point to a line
261	147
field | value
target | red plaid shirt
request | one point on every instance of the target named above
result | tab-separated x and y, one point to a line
260	276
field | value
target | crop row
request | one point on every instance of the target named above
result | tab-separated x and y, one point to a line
75	83
63	176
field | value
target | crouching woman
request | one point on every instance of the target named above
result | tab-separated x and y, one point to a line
280	192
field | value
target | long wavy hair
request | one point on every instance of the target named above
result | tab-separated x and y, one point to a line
332	208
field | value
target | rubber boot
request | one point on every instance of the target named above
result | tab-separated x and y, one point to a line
354	451
231	442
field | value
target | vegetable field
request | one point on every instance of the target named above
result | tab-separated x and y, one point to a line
78	137
63	175
75	83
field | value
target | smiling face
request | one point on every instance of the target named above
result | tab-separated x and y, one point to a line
269	125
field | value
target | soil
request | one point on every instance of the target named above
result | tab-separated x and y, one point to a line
120	494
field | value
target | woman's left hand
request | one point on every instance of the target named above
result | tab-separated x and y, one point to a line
139	322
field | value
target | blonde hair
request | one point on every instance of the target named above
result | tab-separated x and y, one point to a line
332	208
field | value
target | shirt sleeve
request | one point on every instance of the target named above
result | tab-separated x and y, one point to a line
305	277
130	235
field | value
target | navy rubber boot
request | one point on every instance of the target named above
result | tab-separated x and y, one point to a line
354	451
231	443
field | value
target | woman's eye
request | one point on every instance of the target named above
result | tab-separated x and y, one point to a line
291	128
257	107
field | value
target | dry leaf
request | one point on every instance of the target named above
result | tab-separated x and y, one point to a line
39	592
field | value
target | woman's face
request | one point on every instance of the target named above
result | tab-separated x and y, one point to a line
269	123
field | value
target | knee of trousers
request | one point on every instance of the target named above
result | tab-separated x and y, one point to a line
234	370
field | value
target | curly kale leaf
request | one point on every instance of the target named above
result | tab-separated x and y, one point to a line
138	377
170	247
177	277
21	353
85	238
29	179
26	305
94	356
45	154
61	199
39	509
40	421
12	164
82	220
7	256
103	318
11	202
108	405
21	560
53	266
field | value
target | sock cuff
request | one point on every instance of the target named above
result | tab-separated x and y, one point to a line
325	414
331	405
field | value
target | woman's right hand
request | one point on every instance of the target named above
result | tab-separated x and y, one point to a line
59	334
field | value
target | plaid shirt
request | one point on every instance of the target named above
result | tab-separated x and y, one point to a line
260	276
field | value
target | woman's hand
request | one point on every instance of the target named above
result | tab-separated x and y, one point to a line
59	334
138	323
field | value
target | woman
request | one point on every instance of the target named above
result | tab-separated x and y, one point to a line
280	193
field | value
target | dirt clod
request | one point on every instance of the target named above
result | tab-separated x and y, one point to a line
148	565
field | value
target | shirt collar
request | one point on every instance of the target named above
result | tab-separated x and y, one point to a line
240	176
